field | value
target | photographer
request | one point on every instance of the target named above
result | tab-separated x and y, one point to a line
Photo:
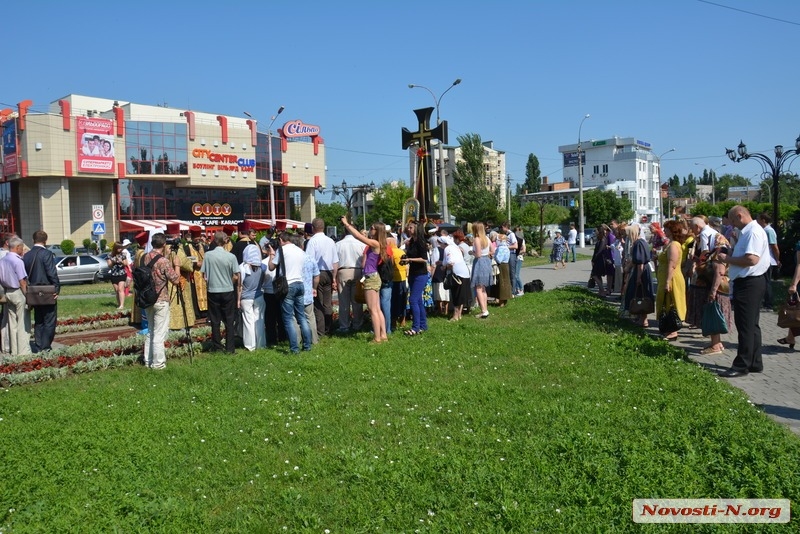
158	314
117	263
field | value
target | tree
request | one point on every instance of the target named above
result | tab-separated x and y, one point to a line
388	200
602	206
533	176
473	198
331	213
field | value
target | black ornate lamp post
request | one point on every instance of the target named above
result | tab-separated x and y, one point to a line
774	168
349	193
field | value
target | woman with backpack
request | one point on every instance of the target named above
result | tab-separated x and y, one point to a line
376	253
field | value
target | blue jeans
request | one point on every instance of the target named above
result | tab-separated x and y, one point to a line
512	272
572	249
386	306
516	273
419	317
292	308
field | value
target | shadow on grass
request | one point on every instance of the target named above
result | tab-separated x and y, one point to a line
602	316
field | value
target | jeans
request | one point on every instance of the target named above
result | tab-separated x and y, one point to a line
572	250
157	327
293	309
514	266
419	318
386	306
399	300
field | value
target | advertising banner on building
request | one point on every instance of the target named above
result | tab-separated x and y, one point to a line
571	159
10	165
95	145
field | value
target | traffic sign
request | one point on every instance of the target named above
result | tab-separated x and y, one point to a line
99	228
98	213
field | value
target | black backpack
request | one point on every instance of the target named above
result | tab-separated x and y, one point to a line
386	270
144	284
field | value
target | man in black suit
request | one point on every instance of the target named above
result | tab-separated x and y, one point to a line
41	268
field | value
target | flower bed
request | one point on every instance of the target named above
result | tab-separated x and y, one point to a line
93	322
88	357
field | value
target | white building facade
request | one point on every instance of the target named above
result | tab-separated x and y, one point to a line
625	165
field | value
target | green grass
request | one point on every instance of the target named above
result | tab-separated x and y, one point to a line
89	305
550	416
100	288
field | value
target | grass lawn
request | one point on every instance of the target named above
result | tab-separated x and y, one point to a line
89	305
550	416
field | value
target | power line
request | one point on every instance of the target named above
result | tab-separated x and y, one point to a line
750	13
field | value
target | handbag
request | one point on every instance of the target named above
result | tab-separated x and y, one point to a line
789	313
43	295
713	322
40	295
669	320
359	295
591	284
451	281
640	304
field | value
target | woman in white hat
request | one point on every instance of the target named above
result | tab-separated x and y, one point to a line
559	250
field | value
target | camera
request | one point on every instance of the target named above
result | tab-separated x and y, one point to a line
275	243
404	260
174	243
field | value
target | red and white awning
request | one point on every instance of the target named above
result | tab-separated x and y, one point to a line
153	225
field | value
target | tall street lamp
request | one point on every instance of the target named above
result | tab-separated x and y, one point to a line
349	193
775	168
269	165
442	182
581	219
713	182
660	203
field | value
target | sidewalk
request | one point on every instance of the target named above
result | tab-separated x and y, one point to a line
776	391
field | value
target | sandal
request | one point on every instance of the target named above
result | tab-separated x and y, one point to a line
784	341
708	351
411	332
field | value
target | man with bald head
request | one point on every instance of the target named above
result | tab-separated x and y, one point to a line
748	263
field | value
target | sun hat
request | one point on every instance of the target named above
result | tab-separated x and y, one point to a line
126	242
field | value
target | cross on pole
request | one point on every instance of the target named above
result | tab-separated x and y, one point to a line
423	190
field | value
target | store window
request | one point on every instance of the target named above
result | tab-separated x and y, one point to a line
156	148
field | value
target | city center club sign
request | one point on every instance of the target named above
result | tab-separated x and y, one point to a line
221	162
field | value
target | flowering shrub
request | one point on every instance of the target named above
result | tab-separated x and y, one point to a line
93	322
88	357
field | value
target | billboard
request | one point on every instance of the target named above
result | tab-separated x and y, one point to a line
10	165
571	159
95	145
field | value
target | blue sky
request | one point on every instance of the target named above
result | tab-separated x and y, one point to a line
683	74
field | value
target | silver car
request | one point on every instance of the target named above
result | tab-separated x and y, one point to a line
81	268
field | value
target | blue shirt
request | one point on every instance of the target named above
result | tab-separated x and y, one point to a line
310	270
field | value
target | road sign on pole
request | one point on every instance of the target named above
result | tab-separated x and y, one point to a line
98	213
99	228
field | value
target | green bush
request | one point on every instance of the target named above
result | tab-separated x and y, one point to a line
103	243
87	243
68	246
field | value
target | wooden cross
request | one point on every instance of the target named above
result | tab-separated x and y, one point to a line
423	191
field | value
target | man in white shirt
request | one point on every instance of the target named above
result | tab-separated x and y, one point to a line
747	264
572	240
323	250
351	254
292	306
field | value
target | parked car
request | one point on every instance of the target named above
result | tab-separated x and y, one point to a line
589	236
81	268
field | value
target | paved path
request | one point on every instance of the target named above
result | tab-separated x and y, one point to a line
776	391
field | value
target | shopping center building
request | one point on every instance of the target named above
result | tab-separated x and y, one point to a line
146	166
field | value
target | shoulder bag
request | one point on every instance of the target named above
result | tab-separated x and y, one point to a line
280	286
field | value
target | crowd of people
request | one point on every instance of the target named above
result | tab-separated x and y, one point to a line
280	288
712	272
